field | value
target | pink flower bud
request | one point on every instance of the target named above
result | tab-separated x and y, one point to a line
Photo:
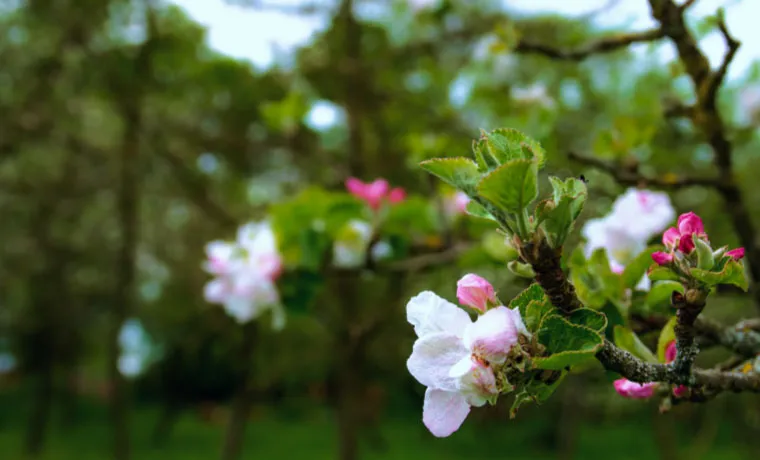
372	193
736	254
461	200
680	390
689	224
686	243
397	195
474	291
634	390
662	258
670	352
670	237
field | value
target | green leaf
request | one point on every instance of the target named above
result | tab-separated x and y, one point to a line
535	312
506	144
483	157
475	209
660	293
637	268
630	342
512	186
732	273
520	269
535	391
521	301
497	246
460	172
589	318
658	273
705	259
567	344
667	335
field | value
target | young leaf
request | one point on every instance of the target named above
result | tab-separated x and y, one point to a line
567	344
460	172
520	269
535	391
661	292
507	144
512	186
475	209
637	268
533	292
535	313
589	318
705	258
629	341
657	273
732	273
667	335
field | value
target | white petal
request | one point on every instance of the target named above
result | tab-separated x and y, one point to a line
462	367
444	412
241	309
432	358
216	291
518	322
429	313
492	335
644	284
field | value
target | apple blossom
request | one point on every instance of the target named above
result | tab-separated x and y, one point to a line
634	390
455	204
736	254
245	273
643	213
375	193
621	246
475	292
454	358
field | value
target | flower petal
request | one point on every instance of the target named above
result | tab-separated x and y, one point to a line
443	412
429	313
492	335
432	358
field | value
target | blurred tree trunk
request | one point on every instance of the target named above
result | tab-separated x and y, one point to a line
129	92
241	406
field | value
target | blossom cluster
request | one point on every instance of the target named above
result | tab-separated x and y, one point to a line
245	272
375	193
462	363
636	217
682	240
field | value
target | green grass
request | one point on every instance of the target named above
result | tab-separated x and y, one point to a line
309	434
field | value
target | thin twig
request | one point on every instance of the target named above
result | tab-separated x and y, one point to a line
600	46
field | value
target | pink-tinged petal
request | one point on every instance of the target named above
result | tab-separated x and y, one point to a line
432	358
461	200
634	390
241	308
662	258
736	254
356	187
670	352
397	195
443	412
518	322
670	237
689	224
429	314
492	335
475	292
686	243
680	390
643	213
376	193
477	381
220	257
216	291
268	265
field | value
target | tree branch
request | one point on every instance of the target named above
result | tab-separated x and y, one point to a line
710	122
688	307
632	178
600	46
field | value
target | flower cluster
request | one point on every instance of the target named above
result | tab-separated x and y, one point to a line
681	242
375	193
636	217
462	363
634	390
245	272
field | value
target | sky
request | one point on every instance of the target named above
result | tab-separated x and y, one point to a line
254	35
